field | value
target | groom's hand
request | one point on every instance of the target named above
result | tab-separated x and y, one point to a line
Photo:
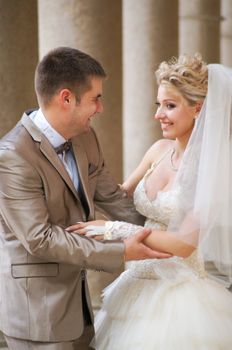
135	249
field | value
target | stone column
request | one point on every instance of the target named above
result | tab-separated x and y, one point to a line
18	59
150	35
226	32
200	28
95	27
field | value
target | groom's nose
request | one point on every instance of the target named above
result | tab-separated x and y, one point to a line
99	106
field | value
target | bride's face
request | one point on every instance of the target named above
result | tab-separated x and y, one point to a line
175	114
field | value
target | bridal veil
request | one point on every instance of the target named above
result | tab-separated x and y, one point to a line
205	177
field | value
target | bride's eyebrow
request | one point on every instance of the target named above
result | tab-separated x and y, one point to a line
167	100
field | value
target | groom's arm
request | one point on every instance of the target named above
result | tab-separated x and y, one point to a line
112	200
107	195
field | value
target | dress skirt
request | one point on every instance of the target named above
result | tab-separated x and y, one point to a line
157	314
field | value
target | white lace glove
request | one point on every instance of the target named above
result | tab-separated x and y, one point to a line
93	230
113	230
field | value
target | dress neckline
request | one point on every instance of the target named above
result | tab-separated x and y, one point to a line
149	172
158	193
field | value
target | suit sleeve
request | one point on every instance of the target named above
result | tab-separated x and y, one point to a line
112	200
25	215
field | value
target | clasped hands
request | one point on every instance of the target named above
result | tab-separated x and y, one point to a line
135	249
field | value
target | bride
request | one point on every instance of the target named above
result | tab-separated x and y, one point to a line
183	188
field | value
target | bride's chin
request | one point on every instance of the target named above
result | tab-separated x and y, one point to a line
167	135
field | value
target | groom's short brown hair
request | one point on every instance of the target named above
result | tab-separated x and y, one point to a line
65	67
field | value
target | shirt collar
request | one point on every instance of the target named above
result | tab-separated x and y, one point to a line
51	134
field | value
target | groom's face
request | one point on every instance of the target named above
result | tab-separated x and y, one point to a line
77	113
88	106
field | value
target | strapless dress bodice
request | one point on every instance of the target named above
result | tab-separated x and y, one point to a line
158	212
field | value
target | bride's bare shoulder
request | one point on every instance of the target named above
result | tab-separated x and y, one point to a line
158	149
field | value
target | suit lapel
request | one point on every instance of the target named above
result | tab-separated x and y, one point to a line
53	158
48	152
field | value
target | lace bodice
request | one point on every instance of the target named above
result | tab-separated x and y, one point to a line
158	213
159	210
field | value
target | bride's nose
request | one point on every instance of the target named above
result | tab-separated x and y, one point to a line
159	114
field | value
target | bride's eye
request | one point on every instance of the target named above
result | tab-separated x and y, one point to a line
171	105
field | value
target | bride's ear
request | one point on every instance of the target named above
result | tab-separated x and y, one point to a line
198	106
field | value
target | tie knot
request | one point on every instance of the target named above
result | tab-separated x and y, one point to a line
65	147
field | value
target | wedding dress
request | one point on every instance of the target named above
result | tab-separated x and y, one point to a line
168	304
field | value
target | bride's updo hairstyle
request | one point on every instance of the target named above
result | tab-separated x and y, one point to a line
189	75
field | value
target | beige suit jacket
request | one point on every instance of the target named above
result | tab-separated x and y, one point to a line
41	264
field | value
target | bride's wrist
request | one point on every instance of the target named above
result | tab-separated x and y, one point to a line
108	230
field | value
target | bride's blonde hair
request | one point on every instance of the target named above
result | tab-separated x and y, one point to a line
188	74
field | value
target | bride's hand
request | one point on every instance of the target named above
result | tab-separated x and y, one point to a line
90	229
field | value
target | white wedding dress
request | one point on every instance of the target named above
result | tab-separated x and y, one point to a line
168	304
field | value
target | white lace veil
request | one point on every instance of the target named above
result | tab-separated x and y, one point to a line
205	177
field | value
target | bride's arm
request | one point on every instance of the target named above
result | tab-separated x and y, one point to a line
181	243
107	230
169	242
163	241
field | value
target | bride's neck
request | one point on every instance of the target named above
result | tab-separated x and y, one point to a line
179	148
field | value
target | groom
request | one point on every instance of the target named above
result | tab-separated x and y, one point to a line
52	175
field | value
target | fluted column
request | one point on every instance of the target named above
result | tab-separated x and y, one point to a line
200	28
18	58
150	35
226	32
95	27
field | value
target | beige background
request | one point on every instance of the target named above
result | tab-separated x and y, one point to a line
130	38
